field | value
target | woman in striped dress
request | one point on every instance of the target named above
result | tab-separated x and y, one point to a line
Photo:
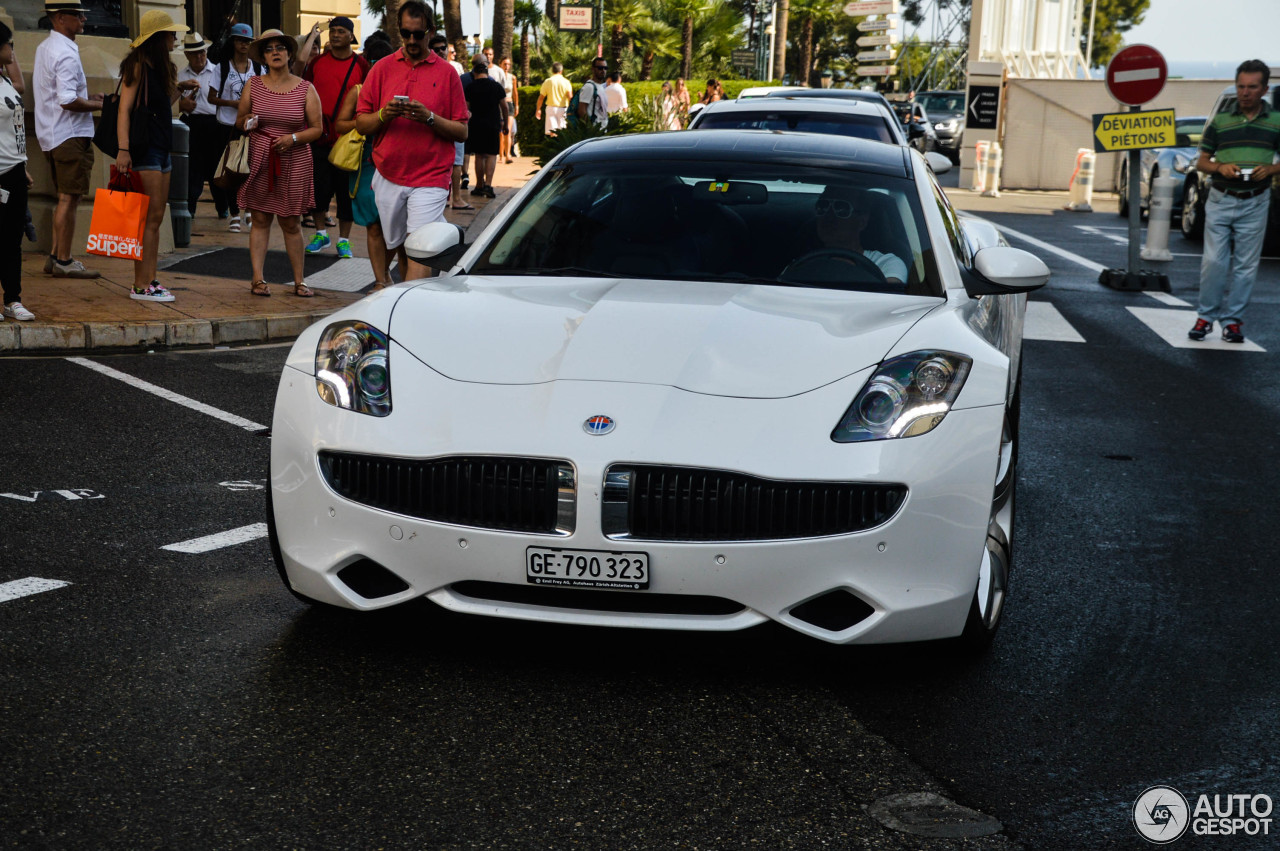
281	113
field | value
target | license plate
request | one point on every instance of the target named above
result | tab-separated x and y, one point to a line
587	568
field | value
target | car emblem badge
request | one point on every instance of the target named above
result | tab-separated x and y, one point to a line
599	424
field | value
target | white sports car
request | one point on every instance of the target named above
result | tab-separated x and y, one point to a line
684	381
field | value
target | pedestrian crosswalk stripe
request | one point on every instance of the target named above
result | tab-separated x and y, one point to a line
1167	298
26	587
1044	322
231	537
351	276
1172	327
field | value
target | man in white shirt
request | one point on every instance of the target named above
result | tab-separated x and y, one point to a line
495	71
615	96
591	98
64	127
205	138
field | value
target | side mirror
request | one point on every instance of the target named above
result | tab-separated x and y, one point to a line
914	130
939	163
1002	270
438	245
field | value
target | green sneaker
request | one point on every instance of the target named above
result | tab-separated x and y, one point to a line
344	250
318	243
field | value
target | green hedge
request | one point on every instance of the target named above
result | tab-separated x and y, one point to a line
529	132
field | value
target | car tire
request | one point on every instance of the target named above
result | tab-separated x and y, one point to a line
278	556
1191	222
987	607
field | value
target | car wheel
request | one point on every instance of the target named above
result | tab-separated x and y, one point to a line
278	557
997	558
1192	219
1122	189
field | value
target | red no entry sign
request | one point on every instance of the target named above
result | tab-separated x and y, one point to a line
1136	74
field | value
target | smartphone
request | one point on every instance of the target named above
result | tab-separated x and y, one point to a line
4	196
401	99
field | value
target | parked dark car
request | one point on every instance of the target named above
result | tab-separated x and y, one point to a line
920	132
854	94
1163	162
1196	187
946	109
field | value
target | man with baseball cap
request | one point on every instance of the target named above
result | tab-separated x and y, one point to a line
64	127
333	73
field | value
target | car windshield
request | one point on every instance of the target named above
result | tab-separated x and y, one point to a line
942	104
756	223
1192	129
862	126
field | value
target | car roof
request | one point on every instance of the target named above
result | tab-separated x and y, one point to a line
760	91
775	103
834	94
805	149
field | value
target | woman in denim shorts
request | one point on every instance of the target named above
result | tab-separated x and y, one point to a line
149	88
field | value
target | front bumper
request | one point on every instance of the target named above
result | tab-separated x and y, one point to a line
915	574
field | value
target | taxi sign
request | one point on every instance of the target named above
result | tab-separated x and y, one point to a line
1133	131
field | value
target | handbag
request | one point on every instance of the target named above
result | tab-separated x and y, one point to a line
106	136
119	217
234	164
348	150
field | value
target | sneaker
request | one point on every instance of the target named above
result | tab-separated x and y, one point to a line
318	243
478	192
1231	333
154	292
74	269
1200	329
466	181
48	265
234	224
15	310
344	250
489	193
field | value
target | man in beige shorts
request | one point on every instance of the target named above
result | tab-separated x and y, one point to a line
64	127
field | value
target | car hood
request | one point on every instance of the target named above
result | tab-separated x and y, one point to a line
720	339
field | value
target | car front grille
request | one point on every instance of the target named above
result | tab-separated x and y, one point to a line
658	503
508	494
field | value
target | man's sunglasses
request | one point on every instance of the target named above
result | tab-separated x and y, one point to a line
841	209
412	35
442	49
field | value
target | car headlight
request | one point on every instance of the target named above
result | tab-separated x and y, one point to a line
907	396
945	125
1181	163
352	370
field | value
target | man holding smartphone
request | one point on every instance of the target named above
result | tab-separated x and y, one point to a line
1237	148
334	72
412	104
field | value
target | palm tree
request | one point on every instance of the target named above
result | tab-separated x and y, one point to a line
504	27
526	15
453	26
686	11
809	13
780	40
620	16
652	39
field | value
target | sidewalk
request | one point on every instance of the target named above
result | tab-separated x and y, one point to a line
75	315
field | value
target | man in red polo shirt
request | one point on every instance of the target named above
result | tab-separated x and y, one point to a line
333	73
413	152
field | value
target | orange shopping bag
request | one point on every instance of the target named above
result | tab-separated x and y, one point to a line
119	217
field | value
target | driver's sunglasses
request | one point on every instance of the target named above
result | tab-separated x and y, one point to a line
841	209
412	35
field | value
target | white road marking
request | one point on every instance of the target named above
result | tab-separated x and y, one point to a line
1044	322
229	538
1089	229
26	587
350	275
1167	298
1126	76
240	422
1172	327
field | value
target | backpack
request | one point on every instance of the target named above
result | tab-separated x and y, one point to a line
572	116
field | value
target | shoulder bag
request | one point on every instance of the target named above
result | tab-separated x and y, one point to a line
106	135
347	151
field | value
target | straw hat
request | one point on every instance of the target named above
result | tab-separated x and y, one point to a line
156	21
255	49
193	42
51	6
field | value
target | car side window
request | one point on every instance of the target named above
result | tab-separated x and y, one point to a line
959	247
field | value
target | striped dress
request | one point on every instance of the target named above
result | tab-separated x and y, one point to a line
280	185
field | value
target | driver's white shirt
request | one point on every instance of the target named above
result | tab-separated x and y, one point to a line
891	265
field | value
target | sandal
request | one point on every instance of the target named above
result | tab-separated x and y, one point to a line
302	291
260	288
462	206
308	221
330	221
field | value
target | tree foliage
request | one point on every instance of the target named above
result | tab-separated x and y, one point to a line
1114	19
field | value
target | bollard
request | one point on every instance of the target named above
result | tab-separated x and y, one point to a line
1161	212
179	215
993	171
1080	194
980	165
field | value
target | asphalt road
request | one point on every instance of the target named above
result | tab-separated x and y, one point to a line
184	699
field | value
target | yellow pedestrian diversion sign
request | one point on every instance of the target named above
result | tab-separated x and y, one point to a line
1131	131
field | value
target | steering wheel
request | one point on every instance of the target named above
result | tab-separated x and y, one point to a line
821	256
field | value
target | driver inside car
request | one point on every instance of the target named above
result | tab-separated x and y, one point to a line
842	216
